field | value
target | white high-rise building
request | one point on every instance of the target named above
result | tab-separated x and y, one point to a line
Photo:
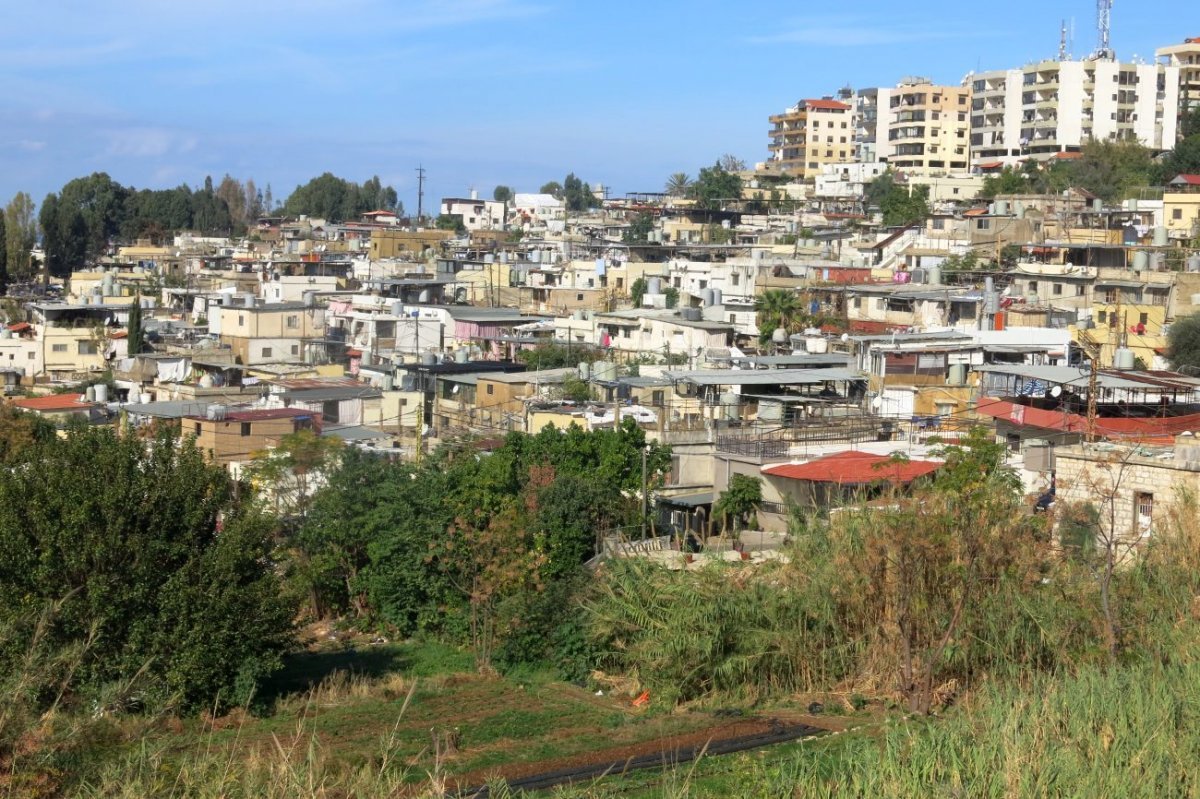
1186	57
1056	106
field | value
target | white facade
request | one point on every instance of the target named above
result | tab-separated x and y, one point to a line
1057	106
537	209
476	214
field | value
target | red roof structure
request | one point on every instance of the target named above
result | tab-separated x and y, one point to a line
52	403
826	105
1128	427
854	468
1185	180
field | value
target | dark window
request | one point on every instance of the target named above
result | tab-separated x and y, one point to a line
245	428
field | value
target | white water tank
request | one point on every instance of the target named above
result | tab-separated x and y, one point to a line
933	275
1159	237
1123	358
1193	263
585	370
717	298
206	380
654	285
462	355
89	394
101	390
389	382
1140	260
707	298
817	345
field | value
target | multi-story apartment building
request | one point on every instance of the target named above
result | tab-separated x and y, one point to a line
870	109
810	134
928	127
1186	58
1056	106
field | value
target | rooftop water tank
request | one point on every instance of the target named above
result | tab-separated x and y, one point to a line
585	370
1193	263
717	297
706	297
89	394
1123	358
101	390
1159	238
1140	260
428	359
933	275
462	355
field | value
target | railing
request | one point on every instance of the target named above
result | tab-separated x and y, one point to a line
779	442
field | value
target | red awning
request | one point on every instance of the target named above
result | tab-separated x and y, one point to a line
854	468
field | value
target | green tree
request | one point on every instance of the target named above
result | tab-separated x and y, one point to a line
1007	181
502	194
289	473
639	230
777	308
739	502
553	188
637	291
20	235
556	355
576	390
672	296
19	431
137	338
151	560
578	195
1184	159
452	222
678	184
330	197
900	205
1183	344
716	185
1112	170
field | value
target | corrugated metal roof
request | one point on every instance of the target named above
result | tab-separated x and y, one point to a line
764	377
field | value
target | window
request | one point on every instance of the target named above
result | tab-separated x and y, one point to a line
266	352
945	408
1177	213
295	349
293	321
241	319
733	279
58	348
1058	289
86	347
1031	286
579	298
491	388
703	284
404	402
245	429
983	224
1143	505
32	355
1143	318
1102	317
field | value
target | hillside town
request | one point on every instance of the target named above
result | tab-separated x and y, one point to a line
771	322
885	432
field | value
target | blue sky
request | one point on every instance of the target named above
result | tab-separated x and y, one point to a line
162	92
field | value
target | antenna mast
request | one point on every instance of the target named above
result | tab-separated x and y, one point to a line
420	193
1062	42
1104	27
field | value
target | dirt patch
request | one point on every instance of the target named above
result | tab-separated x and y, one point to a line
666	746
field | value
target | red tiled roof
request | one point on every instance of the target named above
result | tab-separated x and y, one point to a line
991	165
54	402
827	105
354	353
18	327
1067	156
854	468
1190	180
976	212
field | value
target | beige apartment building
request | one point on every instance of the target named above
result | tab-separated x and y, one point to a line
809	135
928	128
270	333
1186	58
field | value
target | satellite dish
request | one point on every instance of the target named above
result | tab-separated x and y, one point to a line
877	403
845	337
1056	392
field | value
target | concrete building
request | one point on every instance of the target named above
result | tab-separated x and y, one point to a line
1186	58
1056	106
810	134
928	128
260	333
476	214
1181	207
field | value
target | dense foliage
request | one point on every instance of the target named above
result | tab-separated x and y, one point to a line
899	204
714	186
337	200
1183	344
156	572
468	546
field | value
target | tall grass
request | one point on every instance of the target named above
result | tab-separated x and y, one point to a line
1128	732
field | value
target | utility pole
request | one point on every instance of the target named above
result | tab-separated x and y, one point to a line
643	492
420	193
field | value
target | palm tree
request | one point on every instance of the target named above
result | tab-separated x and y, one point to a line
678	184
776	308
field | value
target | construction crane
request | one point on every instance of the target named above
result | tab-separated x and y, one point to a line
1104	51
